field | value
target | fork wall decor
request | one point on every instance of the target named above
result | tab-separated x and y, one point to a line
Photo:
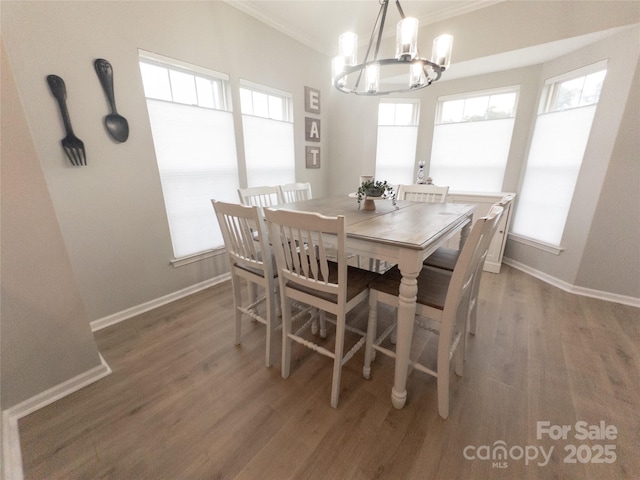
72	145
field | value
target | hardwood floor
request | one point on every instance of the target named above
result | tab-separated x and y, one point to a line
184	403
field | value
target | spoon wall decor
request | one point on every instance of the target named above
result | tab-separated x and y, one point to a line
117	126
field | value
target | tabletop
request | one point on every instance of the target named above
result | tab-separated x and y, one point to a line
412	225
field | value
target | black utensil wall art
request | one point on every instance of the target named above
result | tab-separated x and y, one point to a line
73	146
117	126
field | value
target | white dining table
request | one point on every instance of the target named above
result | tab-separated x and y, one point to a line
401	233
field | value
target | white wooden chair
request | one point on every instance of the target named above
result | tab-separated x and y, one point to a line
260	196
307	276
423	193
250	258
416	193
441	297
445	258
294	192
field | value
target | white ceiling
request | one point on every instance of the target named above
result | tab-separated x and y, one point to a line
318	23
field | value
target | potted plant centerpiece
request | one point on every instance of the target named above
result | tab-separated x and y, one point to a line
370	190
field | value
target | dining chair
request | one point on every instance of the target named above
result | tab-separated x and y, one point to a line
415	193
442	297
423	193
249	253
294	192
265	196
306	275
445	258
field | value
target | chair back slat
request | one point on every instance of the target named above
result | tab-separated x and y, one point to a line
244	236
473	253
301	249
260	196
295	192
423	193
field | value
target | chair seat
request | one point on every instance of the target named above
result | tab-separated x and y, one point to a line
359	281
444	258
432	286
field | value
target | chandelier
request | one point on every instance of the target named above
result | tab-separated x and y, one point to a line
349	76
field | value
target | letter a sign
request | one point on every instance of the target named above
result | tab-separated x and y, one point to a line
312	129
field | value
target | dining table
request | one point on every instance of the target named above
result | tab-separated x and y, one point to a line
401	233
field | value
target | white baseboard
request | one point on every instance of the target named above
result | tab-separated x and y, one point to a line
568	287
158	302
11	453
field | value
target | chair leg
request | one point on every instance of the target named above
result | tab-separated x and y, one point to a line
443	392
252	290
371	333
337	359
323	324
276	296
286	341
271	304
237	301
472	315
443	365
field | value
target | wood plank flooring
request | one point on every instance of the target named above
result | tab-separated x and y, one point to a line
184	403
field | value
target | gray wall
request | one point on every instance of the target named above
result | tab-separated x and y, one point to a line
45	337
612	252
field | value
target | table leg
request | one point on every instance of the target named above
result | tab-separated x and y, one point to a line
464	233
406	316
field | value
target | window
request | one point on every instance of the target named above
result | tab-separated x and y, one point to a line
397	139
471	139
559	141
267	123
194	139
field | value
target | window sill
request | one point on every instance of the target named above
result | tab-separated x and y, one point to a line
196	257
546	247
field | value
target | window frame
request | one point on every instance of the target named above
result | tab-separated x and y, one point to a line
226	103
286	97
551	86
477	94
414	124
224	106
546	108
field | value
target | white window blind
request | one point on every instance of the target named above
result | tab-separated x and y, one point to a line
267	123
195	150
557	149
555	157
471	140
471	156
397	140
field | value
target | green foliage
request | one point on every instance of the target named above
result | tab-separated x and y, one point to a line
373	188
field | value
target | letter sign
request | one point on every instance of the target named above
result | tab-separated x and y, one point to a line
311	100
312	129
313	157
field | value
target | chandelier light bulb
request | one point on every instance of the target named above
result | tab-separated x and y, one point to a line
407	39
415	75
441	53
372	74
337	67
348	48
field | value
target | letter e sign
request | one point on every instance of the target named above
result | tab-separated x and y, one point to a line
311	100
312	129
